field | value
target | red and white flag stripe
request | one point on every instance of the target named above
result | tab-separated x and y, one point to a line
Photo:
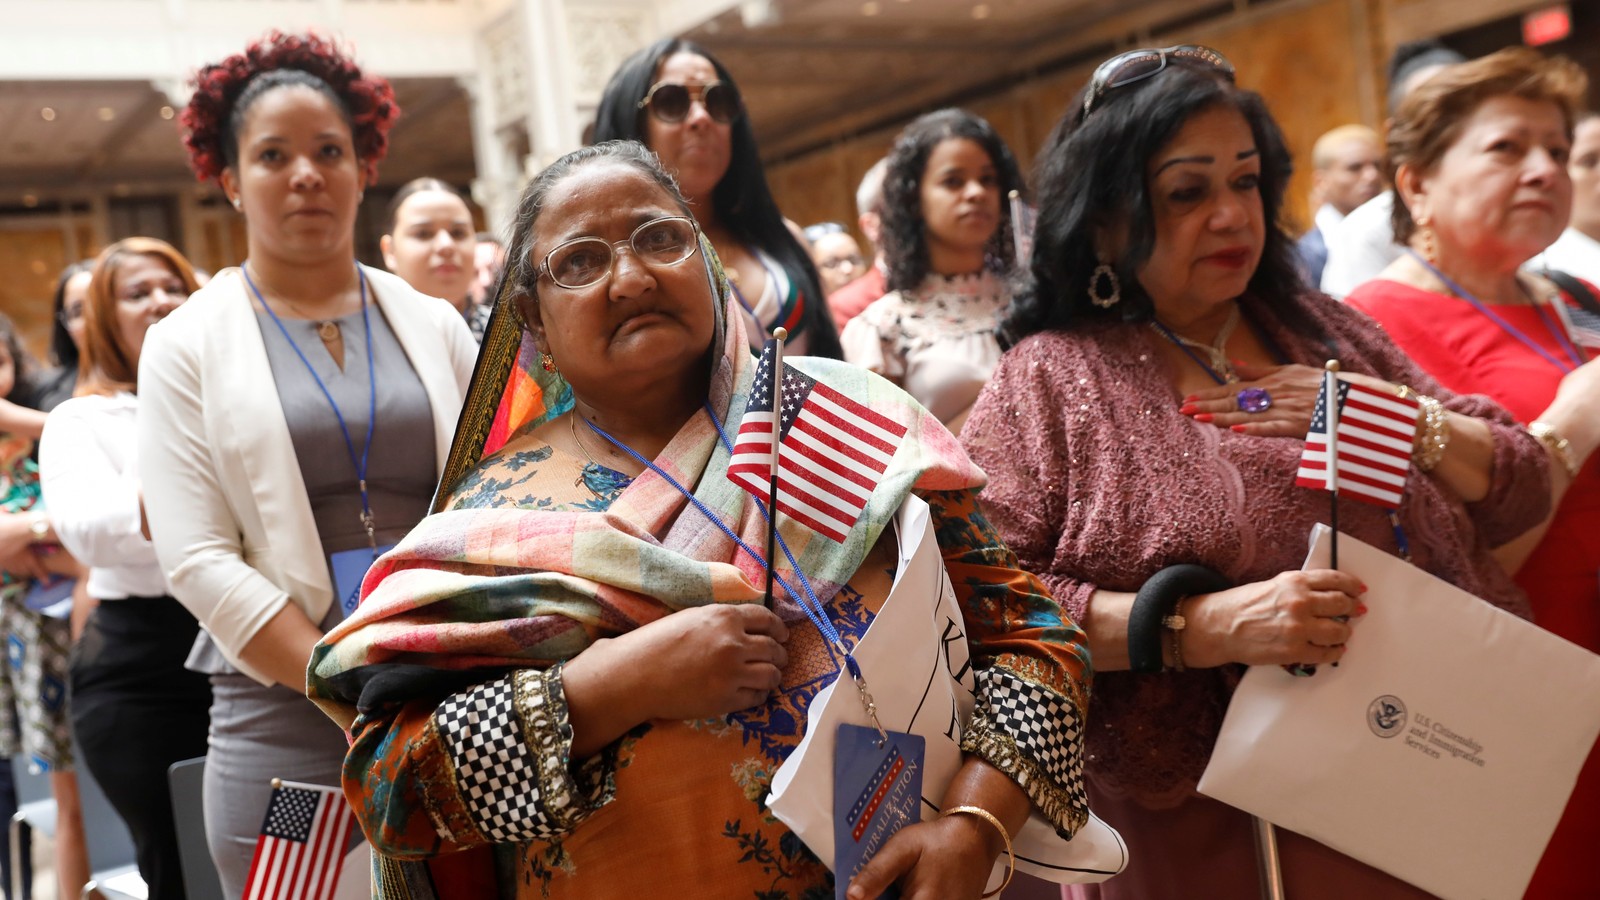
302	846
834	451
1374	438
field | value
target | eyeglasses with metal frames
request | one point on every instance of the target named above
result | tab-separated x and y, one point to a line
658	243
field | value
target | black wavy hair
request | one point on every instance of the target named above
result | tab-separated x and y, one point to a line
63	352
904	236
742	199
1092	175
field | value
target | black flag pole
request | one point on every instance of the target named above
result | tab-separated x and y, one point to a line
778	337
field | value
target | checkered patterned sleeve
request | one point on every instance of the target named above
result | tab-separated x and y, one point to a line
490	764
1032	663
509	745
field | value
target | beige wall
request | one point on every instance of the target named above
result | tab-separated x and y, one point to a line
1315	62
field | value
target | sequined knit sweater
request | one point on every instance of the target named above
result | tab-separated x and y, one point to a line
1096	481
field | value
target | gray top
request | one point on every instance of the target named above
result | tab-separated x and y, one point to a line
400	468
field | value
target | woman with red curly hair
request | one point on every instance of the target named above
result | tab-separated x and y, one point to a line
284	413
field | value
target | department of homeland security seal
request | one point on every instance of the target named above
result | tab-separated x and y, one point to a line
1386	716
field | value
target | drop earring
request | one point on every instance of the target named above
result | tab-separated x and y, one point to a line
1430	250
1103	273
547	362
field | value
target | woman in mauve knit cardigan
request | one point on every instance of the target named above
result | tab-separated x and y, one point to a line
1116	446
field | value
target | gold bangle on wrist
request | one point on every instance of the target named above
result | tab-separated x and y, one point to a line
1434	435
992	819
1559	446
1175	624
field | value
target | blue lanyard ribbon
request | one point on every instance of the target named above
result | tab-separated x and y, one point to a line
1167	333
813	608
359	462
1575	357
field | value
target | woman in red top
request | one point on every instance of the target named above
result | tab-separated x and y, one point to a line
1478	156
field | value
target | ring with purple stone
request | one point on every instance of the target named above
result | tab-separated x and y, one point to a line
1254	400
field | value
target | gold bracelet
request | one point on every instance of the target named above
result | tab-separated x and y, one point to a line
1175	623
992	819
1559	447
1434	435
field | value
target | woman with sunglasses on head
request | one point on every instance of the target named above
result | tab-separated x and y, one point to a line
135	709
676	99
1151	414
1478	156
286	414
573	605
948	245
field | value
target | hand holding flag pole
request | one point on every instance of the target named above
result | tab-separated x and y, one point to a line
779	335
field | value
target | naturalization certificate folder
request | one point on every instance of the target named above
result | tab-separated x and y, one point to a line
1443	748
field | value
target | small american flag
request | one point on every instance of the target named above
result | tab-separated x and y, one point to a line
1374	439
302	844
833	449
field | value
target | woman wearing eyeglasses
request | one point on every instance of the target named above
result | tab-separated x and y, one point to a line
948	244
293	418
1152	413
676	99
588	608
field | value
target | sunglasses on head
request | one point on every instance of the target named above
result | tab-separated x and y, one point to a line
1136	65
669	102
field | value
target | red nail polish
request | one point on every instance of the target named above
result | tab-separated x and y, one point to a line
1361	609
1238	428
1363	588
1188	409
1191	398
1202	417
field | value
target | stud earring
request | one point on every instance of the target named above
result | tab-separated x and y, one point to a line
1104	274
548	362
238	203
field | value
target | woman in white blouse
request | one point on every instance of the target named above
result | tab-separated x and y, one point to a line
135	709
947	244
294	418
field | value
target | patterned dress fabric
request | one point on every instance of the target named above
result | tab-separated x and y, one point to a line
937	341
449	674
33	679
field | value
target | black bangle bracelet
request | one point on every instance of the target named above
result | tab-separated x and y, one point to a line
1155	600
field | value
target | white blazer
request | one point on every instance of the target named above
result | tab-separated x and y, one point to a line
227	506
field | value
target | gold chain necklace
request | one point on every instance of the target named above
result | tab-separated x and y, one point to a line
327	329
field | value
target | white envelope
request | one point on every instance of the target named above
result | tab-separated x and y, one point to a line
1443	748
915	662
